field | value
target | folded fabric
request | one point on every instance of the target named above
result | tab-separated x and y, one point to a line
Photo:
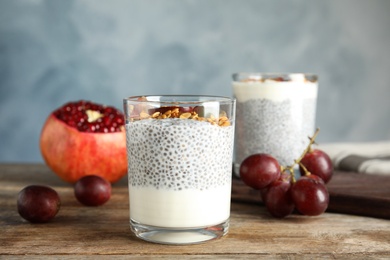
370	157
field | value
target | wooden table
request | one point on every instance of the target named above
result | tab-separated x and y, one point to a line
89	231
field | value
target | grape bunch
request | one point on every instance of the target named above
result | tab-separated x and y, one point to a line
281	192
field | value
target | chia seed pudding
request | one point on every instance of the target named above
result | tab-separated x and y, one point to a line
179	172
274	116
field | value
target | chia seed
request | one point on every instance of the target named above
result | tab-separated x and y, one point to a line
280	129
178	154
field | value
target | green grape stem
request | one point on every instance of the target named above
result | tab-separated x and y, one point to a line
307	173
290	168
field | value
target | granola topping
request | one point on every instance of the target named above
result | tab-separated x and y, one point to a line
175	112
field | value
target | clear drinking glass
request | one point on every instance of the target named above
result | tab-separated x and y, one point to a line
275	114
180	154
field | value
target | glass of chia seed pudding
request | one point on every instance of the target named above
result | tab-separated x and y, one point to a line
180	154
275	115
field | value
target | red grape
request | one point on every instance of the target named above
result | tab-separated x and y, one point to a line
259	170
277	198
92	190
284	176
310	196
38	204
318	163
316	178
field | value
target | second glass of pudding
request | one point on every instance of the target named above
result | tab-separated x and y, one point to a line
180	153
275	114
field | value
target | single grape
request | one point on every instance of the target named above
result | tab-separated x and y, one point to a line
284	176
259	170
38	204
316	178
92	190
310	196
277	198
318	163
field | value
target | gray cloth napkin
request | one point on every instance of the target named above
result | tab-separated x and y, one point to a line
369	157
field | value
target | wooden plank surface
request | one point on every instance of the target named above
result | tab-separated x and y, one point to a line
89	231
350	193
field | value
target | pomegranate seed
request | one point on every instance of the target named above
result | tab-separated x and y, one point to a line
74	114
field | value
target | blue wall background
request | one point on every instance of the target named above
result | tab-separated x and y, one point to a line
54	51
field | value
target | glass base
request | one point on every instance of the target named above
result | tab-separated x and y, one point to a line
178	236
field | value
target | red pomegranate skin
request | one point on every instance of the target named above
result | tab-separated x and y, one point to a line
72	154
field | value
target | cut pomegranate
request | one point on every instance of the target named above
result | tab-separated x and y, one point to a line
84	138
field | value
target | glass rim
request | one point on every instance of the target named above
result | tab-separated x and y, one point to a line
179	99
238	76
